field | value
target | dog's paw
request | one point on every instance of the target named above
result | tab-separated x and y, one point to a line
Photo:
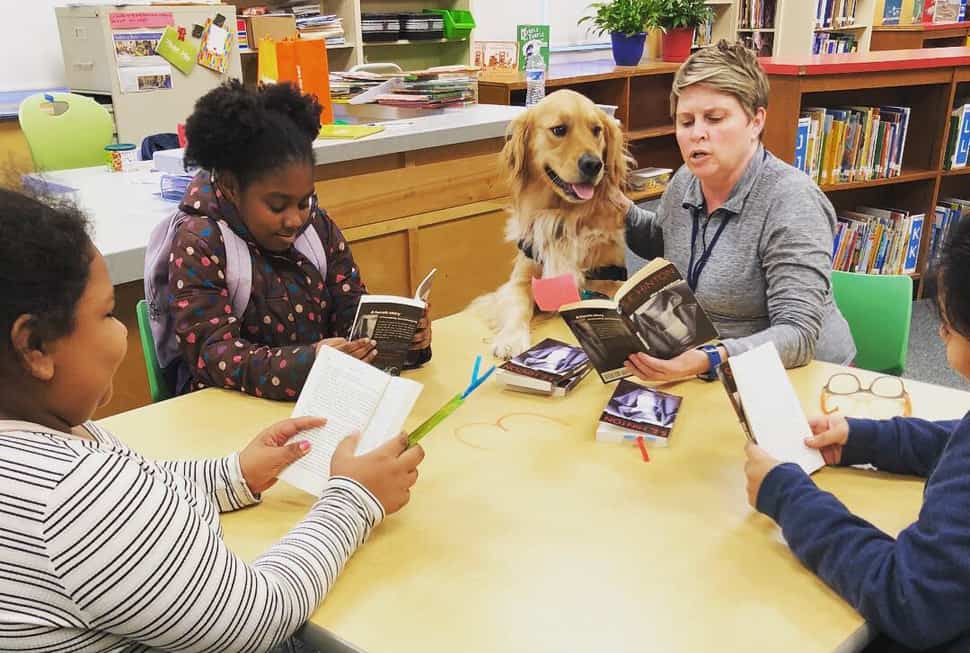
509	343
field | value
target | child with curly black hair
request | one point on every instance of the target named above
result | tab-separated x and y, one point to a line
255	151
104	550
914	588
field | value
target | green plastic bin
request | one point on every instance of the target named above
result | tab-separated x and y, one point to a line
458	22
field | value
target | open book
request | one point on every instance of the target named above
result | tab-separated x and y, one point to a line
352	396
391	322
767	407
654	312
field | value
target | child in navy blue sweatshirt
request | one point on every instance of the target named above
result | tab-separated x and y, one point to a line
916	588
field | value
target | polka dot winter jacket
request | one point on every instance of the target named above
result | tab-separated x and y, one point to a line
268	351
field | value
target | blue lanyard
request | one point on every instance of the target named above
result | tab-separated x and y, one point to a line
694	269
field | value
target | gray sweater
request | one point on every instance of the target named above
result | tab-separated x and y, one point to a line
768	275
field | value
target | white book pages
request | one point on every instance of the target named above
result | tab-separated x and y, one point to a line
771	406
345	391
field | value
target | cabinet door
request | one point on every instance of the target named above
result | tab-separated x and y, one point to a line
472	257
87	64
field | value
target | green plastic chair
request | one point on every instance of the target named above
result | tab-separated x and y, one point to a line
879	309
156	379
72	135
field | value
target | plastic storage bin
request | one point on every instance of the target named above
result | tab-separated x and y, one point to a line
380	27
458	22
420	26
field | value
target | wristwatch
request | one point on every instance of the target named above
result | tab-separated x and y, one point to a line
714	358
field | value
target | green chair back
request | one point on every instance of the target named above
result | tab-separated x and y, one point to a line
73	135
156	379
879	309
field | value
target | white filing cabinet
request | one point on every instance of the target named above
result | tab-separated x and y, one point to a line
90	67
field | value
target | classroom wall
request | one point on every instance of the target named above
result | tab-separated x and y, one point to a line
29	34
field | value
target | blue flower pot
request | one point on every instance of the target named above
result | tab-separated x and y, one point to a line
627	50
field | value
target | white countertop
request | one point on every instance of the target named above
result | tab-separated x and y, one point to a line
124	206
460	125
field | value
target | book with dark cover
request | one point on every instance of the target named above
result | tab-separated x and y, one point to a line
638	411
655	312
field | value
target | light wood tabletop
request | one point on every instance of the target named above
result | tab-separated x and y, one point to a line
525	534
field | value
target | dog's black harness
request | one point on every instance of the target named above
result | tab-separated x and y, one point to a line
604	273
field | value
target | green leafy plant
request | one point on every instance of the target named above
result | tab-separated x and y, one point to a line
624	16
678	14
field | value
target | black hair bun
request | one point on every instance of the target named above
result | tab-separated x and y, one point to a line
303	110
224	121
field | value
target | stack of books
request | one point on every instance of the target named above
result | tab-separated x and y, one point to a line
958	139
433	89
635	411
848	144
311	23
345	86
550	367
877	241
835	13
948	212
834	43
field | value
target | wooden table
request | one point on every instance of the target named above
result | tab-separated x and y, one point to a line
524	534
919	35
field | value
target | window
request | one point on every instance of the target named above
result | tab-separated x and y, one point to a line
497	19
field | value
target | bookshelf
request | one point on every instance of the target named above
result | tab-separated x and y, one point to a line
792	29
410	55
919	35
931	82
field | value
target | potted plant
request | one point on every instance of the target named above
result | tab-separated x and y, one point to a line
625	22
678	19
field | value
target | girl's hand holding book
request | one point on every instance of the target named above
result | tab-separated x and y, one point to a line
271	452
388	471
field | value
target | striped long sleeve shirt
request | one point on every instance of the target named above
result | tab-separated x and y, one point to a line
102	550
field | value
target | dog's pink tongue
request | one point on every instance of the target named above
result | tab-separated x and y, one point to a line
583	191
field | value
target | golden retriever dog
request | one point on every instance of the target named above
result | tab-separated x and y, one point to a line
567	162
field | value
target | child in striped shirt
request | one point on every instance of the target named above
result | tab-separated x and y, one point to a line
103	550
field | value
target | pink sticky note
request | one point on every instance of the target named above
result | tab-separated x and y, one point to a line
553	292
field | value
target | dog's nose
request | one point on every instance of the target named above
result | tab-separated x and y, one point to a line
590	165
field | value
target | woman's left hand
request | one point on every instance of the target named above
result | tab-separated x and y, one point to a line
422	337
648	368
271	452
757	466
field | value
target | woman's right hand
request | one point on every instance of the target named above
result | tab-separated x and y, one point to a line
388	471
829	435
363	349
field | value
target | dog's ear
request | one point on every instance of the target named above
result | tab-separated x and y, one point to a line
618	159
516	150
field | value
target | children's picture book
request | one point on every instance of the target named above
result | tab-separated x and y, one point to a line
549	367
494	56
767	407
654	312
391	322
529	39
352	396
636	411
891	12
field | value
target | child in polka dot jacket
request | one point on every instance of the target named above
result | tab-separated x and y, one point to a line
255	152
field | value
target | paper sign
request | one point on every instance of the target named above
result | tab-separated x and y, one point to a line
180	54
142	79
141	19
553	292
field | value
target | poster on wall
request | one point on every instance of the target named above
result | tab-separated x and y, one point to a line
140	66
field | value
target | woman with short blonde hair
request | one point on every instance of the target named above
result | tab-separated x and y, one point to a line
751	234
